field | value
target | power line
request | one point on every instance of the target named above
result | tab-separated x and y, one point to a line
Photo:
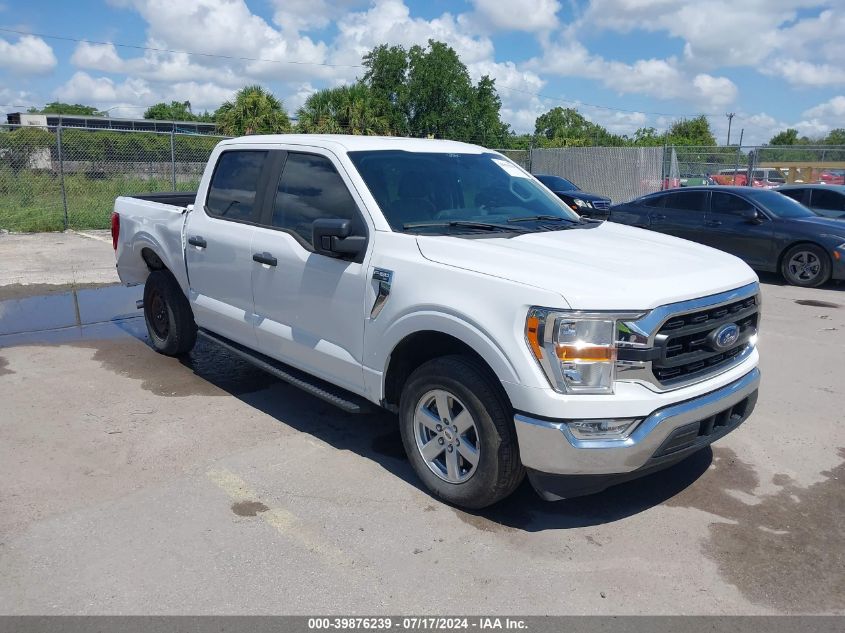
169	50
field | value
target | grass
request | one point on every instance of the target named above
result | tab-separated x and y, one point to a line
32	201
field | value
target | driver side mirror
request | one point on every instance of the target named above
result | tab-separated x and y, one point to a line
752	215
331	237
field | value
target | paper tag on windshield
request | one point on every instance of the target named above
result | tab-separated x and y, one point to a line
510	168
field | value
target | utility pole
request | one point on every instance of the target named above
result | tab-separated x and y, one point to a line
730	116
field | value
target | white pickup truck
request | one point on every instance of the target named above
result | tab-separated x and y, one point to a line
443	282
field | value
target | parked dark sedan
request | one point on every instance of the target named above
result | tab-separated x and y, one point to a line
766	229
590	205
824	200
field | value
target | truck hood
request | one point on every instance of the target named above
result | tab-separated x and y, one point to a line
604	267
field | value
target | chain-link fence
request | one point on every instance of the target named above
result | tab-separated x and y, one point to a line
52	178
620	173
55	178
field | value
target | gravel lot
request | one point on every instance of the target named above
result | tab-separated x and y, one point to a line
131	483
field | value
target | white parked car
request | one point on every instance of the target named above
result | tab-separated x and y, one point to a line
442	282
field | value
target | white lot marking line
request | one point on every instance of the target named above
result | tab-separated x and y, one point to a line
99	238
284	521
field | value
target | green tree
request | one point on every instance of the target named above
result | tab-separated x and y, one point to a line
57	107
175	111
343	110
787	137
695	131
387	79
647	137
486	126
253	111
561	127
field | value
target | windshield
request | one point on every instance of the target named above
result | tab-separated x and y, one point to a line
779	204
427	191
556	183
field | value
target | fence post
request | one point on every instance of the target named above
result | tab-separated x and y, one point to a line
61	171
738	152
172	159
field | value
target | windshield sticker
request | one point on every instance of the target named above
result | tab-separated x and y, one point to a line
510	168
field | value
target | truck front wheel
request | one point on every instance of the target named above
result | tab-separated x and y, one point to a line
170	321
457	429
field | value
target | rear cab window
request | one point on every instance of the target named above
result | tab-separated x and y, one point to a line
233	192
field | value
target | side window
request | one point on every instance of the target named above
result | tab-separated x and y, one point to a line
310	188
232	192
654	202
822	199
686	200
728	204
795	194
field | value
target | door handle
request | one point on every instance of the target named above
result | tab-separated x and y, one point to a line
264	258
197	240
712	223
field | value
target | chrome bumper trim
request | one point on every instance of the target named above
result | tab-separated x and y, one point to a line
549	447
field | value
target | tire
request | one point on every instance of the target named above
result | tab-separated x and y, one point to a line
466	388
806	265
170	321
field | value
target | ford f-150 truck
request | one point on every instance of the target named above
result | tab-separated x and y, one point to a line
443	282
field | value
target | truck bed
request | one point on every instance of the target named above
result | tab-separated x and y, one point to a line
175	198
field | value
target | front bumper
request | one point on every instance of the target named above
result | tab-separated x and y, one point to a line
664	437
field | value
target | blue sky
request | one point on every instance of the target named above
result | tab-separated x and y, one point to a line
623	63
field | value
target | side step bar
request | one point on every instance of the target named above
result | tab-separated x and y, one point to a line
340	398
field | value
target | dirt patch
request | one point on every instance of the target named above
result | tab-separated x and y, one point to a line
816	303
23	291
782	550
248	508
4	367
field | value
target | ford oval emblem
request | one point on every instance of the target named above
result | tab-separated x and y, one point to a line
725	337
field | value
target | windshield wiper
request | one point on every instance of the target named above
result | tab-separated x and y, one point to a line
486	226
543	218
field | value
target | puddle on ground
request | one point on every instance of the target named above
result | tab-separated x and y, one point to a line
105	318
784	551
248	508
816	303
75	308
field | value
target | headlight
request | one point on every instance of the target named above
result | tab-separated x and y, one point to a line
576	350
577	202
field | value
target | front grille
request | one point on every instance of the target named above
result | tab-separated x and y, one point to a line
602	205
686	342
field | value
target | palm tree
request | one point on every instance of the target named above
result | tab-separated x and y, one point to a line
345	109
253	111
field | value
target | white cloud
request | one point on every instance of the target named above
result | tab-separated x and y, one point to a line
834	109
29	55
808	74
516	15
659	78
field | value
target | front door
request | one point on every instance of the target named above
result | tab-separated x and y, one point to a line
728	230
219	236
309	307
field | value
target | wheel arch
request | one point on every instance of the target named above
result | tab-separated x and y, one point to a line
421	346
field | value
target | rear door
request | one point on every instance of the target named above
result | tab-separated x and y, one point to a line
219	236
310	307
729	231
682	215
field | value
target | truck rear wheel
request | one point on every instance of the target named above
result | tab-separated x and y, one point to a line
170	321
457	429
